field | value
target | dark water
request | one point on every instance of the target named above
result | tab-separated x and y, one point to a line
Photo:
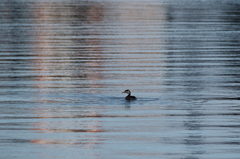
65	63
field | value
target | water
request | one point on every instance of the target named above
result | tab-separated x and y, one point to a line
65	63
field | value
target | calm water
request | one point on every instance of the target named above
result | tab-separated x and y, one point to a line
64	64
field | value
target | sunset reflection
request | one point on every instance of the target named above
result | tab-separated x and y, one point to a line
56	59
83	143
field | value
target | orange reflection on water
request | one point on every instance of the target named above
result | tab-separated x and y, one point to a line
65	55
67	130
66	142
68	127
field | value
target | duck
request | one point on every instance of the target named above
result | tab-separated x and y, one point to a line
129	97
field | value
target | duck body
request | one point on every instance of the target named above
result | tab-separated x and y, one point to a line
129	97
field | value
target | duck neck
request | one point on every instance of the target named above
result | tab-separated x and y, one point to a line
129	94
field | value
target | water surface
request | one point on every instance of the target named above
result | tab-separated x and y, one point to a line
65	63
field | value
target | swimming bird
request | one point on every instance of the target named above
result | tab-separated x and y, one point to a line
129	97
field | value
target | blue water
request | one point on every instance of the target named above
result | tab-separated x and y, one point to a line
64	65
